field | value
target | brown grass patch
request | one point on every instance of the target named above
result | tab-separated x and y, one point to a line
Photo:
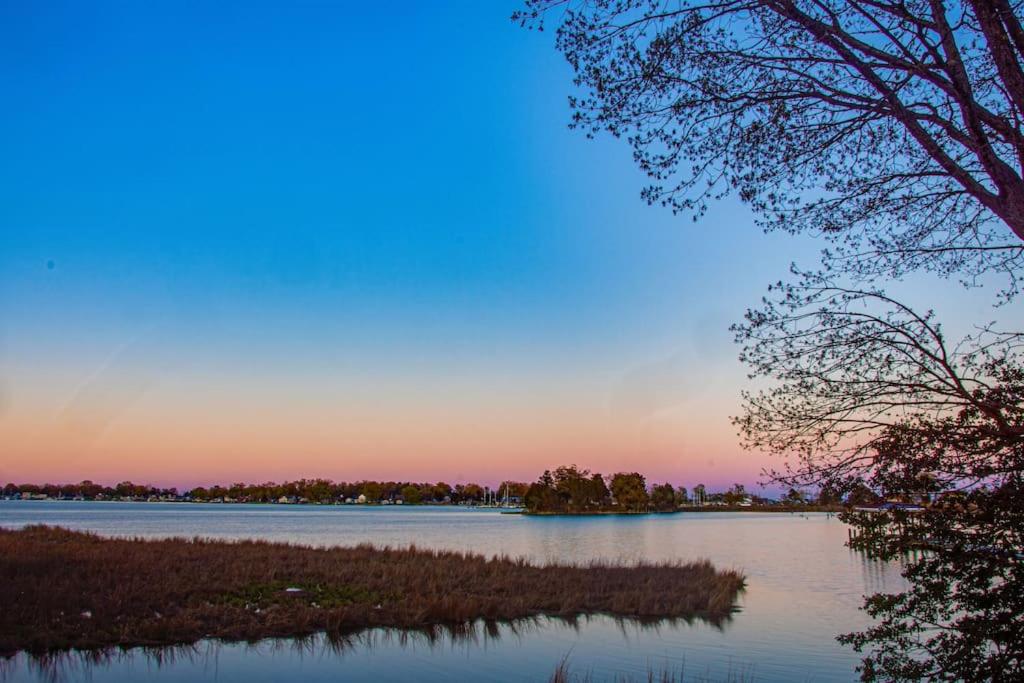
63	589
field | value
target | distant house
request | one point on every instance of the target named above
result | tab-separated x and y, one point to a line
361	499
284	500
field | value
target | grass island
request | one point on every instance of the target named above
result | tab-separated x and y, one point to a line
64	589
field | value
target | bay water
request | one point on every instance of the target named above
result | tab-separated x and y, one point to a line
803	588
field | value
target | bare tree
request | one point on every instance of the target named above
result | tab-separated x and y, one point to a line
858	380
891	127
867	394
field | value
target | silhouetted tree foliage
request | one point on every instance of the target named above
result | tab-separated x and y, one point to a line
858	374
542	498
861	494
962	617
891	127
571	490
869	398
629	489
795	497
442	491
373	491
573	486
515	489
410	494
663	498
600	496
567	489
736	495
828	495
682	496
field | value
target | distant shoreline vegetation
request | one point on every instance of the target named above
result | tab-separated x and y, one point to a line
569	490
73	590
566	490
301	491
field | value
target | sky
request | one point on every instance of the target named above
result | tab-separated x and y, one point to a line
264	241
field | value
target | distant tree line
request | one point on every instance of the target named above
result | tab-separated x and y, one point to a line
90	491
302	490
565	489
325	490
569	489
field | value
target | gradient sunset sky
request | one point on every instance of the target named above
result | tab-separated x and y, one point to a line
267	241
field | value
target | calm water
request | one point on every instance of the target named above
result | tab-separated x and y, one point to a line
804	587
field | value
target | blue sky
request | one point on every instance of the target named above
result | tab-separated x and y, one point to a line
361	209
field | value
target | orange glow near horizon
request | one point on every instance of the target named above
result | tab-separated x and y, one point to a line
187	433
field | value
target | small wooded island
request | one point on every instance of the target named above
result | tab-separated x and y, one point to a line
569	490
64	589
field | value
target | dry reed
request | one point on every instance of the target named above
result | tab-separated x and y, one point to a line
63	589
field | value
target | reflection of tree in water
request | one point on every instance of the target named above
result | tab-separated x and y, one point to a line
878	575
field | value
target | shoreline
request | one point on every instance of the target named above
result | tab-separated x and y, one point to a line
700	510
262	503
504	510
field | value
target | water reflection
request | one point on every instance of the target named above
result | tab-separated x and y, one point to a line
206	659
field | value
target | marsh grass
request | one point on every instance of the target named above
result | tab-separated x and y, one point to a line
62	589
564	673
